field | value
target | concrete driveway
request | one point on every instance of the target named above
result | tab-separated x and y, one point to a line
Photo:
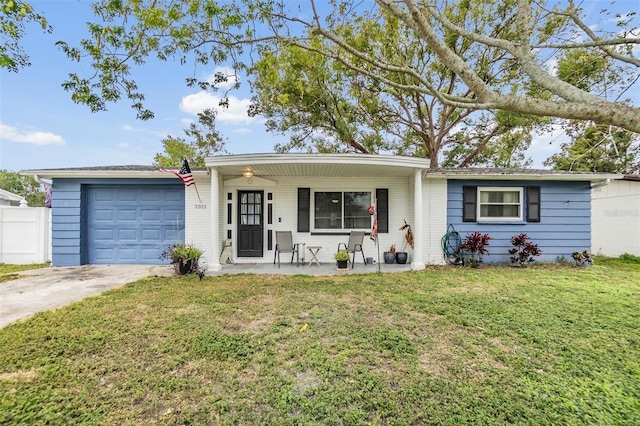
43	289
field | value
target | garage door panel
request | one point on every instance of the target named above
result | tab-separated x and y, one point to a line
103	254
128	214
155	196
103	215
101	194
151	236
149	215
127	236
149	256
124	196
172	196
133	224
102	234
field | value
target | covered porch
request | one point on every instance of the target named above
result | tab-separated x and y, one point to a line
281	192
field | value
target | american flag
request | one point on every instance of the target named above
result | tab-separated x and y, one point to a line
184	173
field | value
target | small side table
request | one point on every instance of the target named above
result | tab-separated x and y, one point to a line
314	253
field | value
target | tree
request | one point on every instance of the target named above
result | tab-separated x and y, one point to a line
14	15
26	186
598	148
204	141
325	104
526	33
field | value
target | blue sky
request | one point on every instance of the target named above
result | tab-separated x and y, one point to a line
40	127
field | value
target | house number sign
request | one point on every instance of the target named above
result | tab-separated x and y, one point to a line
200	206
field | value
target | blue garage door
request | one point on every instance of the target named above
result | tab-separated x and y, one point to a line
133	224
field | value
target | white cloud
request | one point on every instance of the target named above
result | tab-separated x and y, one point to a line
235	113
123	145
242	130
14	134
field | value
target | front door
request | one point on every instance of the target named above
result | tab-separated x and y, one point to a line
250	223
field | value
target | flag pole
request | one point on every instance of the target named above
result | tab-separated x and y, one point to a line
377	235
198	193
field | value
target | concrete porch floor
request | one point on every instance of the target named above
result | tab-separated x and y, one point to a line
287	268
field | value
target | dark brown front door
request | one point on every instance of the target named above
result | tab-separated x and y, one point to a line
250	223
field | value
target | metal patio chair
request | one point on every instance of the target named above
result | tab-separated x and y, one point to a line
284	244
354	245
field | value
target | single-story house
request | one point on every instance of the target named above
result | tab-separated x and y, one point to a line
615	226
129	214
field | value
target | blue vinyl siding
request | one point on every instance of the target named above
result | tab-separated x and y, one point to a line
70	232
66	222
565	224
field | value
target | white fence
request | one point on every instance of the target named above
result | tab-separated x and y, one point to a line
25	235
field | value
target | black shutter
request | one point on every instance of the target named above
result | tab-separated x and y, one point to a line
382	197
304	207
469	195
533	204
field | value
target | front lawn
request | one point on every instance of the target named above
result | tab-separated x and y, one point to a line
447	346
8	272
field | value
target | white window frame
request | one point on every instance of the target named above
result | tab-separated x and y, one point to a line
520	205
312	219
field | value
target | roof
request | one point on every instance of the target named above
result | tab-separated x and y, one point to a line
322	165
524	174
10	196
126	171
316	165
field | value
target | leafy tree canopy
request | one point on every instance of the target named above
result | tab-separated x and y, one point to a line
524	38
598	148
14	16
204	141
26	186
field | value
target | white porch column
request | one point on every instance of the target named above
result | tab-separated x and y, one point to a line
418	227
214	260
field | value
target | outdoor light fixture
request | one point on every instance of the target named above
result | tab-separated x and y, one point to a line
249	175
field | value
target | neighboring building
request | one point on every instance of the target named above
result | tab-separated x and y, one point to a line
7	198
616	217
128	214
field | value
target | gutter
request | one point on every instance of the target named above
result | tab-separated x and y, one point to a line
601	183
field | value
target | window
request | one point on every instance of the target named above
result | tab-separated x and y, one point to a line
341	210
499	204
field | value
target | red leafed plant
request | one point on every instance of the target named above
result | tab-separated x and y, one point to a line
476	244
524	251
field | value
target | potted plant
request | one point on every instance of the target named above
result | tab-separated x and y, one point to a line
401	256
342	257
185	258
390	256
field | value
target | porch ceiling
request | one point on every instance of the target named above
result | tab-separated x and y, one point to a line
316	165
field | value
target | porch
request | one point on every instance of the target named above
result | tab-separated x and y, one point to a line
326	268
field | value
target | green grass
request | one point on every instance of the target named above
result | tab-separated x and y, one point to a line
8	272
447	346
